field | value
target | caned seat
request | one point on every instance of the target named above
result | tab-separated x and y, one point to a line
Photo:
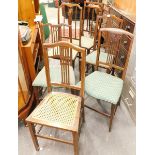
55	74
105	86
58	109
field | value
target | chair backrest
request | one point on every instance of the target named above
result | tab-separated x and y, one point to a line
106	21
58	32
66	49
90	12
71	14
114	49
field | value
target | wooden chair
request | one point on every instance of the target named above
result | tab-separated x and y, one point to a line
71	14
59	110
91	10
107	21
104	86
57	33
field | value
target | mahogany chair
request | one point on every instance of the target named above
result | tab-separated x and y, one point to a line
107	21
60	110
104	86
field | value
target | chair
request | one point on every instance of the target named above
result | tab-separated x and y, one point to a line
71	14
57	33
90	12
104	86
60	110
107	21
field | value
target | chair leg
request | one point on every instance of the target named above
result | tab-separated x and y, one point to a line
75	142
111	116
83	113
36	93
34	138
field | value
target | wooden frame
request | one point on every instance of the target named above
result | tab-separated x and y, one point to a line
91	10
72	15
104	21
65	62
114	37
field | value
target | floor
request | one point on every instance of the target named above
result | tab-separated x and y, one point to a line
95	139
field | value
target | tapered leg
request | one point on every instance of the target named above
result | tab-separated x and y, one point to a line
75	142
36	93
34	138
83	113
112	115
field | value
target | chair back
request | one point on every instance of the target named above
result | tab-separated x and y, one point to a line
114	49
90	12
106	21
71	14
58	32
65	49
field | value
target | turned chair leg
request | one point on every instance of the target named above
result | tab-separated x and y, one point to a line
111	116
75	142
34	138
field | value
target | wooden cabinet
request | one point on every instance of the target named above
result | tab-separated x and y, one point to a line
26	11
128	25
129	98
33	52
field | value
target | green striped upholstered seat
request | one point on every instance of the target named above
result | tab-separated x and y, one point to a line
103	86
55	74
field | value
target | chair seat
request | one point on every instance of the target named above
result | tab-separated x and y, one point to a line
55	68
91	58
104	86
74	53
60	110
86	42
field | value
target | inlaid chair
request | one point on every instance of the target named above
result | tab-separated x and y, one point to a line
59	110
107	21
104	86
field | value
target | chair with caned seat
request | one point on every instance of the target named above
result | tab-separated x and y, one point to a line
60	110
107	21
104	86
